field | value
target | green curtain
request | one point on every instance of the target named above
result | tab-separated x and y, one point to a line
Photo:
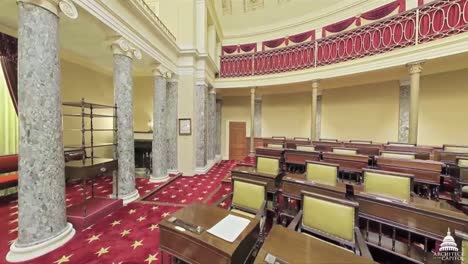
8	120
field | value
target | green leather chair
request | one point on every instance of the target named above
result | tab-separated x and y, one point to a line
321	172
398	155
305	148
248	197
268	165
344	151
388	184
331	219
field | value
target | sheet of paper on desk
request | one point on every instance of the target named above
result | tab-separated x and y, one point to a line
229	228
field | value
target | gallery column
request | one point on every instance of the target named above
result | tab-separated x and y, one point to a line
171	124
201	94
160	142
219	106
42	220
404	109
313	119
252	122
415	74
211	128
258	116
123	97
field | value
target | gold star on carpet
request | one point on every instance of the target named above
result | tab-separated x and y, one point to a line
93	238
153	227
131	211
88	228
151	258
222	204
63	259
126	232
141	218
154	208
115	223
102	251
137	243
165	214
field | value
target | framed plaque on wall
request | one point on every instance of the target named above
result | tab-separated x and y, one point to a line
185	126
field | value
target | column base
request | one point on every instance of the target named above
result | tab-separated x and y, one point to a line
173	171
127	198
217	158
19	254
159	179
204	170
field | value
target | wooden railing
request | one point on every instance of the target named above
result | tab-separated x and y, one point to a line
426	23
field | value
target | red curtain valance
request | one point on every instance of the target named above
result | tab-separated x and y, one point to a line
301	37
274	43
248	47
338	26
230	49
384	10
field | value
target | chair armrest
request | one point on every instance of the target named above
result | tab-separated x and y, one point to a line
261	212
222	199
295	221
361	243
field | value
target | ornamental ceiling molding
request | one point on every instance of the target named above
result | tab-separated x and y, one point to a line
121	46
55	6
109	18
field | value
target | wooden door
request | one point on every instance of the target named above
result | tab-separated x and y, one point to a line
237	141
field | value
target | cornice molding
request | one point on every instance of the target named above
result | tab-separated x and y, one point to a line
436	49
109	18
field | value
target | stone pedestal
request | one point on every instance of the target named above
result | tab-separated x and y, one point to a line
42	222
171	125
201	94
123	96
159	130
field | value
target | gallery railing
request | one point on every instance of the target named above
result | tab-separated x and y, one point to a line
429	22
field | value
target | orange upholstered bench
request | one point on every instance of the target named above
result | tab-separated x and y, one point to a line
8	174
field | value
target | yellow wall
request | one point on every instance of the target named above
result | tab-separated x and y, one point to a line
443	108
286	115
361	112
96	87
185	109
234	108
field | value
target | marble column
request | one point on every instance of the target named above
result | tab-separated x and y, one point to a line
219	118
160	146
211	126
313	119
171	125
42	220
318	121
404	109
201	94
252	123
415	74
258	117
123	98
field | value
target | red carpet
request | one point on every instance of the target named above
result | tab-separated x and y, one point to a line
129	235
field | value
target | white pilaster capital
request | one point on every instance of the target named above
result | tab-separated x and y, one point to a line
315	84
55	6
121	46
252	90
415	67
405	82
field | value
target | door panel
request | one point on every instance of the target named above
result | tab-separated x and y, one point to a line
237	141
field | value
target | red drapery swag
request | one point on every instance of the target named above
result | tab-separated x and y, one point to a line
248	47
274	43
9	62
301	37
230	49
338	26
385	10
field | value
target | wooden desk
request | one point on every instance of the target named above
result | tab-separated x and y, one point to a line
422	152
294	247
326	145
293	184
270	152
292	143
348	163
205	247
419	221
251	173
295	159
76	169
365	149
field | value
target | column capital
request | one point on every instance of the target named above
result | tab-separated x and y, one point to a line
415	67
55	6
121	46
252	90
212	91
160	71
315	84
